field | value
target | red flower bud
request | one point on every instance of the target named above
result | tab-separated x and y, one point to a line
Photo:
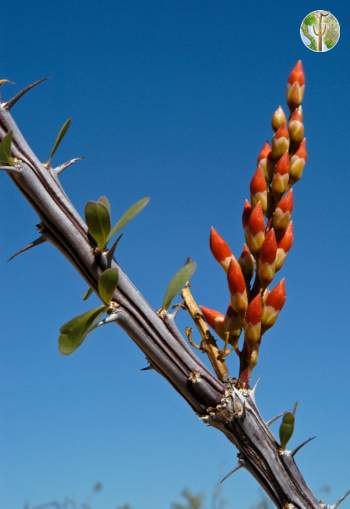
264	152
296	86
297	161
297	74
296	126
264	159
258	188
253	320
255	230
220	249
247	263
277	297
280	177
214	319
278	119
284	246
283	213
274	303
237	286
267	259
254	311
280	142
246	213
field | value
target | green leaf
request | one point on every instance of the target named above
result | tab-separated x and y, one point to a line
178	282
60	136
105	201
132	211
107	284
87	294
5	149
98	221
75	331
286	429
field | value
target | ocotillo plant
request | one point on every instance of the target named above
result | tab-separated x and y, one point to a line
321	29
221	400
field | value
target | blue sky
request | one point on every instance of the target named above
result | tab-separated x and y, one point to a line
172	100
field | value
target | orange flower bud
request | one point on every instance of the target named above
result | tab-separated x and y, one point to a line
247	263
280	142
296	126
273	305
220	249
215	320
255	230
297	161
247	210
280	177
258	188
253	317
233	325
264	152
267	258
264	158
237	286
296	86
284	246
278	119
283	213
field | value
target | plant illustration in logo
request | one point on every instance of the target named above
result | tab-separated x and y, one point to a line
320	31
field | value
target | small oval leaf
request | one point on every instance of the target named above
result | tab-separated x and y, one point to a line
286	429
98	221
105	201
5	149
107	284
61	134
75	331
178	282
132	212
87	293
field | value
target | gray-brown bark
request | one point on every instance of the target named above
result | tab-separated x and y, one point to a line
223	406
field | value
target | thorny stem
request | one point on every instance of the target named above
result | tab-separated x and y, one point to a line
221	405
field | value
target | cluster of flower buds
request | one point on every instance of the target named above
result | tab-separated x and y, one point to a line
268	230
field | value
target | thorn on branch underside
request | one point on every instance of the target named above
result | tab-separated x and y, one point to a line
11	169
338	502
36	242
273	419
59	169
111	251
233	471
11	102
297	449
